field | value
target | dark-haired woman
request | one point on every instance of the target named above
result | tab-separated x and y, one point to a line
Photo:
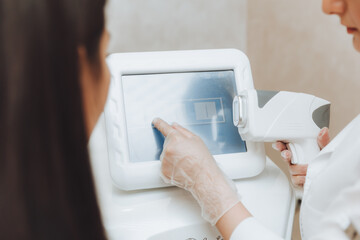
53	87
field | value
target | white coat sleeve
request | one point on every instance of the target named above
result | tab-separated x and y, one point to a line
250	229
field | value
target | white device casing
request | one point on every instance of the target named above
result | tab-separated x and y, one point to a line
287	117
127	175
172	213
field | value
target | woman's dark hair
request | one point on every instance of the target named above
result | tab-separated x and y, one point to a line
46	185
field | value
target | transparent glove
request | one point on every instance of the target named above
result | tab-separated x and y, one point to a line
298	171
187	163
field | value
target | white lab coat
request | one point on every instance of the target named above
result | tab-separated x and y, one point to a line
331	201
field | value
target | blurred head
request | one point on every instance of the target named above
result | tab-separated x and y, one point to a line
349	13
53	86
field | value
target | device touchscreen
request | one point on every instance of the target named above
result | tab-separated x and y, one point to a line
199	101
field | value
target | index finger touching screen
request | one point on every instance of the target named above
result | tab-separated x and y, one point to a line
162	126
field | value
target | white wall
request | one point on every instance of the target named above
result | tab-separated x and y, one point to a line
153	25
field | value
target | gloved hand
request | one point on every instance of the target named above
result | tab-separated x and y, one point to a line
298	171
187	163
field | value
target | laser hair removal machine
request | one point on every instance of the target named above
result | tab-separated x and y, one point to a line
295	118
195	89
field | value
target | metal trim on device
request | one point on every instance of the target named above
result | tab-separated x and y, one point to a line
239	111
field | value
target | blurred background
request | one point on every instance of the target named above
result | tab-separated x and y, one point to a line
291	45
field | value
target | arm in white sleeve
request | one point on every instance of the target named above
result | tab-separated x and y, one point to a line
250	229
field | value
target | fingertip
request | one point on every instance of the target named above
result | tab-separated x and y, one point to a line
162	126
155	121
286	154
323	138
279	146
322	132
159	123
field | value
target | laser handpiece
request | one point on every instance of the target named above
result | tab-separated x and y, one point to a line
294	118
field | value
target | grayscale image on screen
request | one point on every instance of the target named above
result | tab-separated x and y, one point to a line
199	101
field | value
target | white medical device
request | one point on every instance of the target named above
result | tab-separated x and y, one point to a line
192	88
295	118
195	89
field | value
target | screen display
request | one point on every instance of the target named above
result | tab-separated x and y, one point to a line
199	101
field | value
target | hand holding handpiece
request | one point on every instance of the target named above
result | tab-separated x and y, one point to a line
187	163
294	118
298	171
